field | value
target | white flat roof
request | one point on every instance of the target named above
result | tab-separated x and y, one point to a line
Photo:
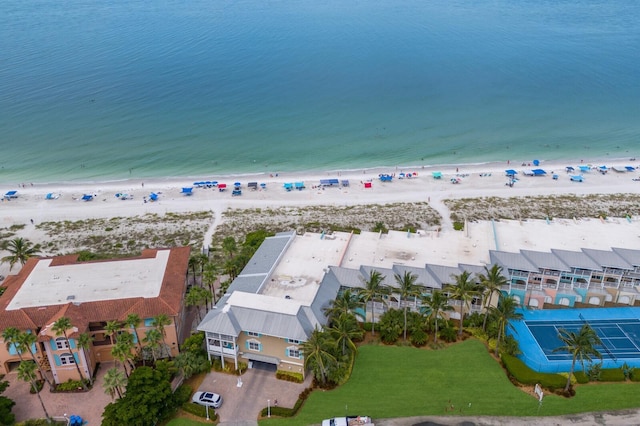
91	282
262	302
299	273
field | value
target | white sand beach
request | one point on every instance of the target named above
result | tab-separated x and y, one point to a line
450	247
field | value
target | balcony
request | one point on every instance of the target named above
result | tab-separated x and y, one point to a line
225	351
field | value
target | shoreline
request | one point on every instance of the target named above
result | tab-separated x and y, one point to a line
490	166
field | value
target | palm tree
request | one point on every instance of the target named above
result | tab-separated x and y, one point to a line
491	281
85	341
197	296
229	246
121	351
133	321
114	382
463	290
21	250
112	328
160	322
193	264
373	291
26	341
60	327
209	278
318	355
27	373
435	305
407	288
11	337
152	339
345	330
505	313
580	345
347	302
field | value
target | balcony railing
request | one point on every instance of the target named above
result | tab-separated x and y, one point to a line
226	351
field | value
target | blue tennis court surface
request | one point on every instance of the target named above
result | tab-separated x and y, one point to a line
618	328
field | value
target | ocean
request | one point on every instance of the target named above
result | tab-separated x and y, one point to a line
100	90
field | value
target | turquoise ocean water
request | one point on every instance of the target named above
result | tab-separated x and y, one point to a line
98	90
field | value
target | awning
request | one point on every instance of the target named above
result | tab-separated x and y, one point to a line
510	172
261	358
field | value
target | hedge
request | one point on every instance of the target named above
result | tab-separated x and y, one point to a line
612	375
289	376
199	410
527	376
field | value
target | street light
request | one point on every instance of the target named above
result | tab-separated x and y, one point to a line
268	408
207	409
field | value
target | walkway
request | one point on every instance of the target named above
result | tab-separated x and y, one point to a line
88	405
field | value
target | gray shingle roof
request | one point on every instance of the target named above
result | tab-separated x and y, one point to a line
268	254
347	277
474	269
443	275
630	255
544	260
514	261
422	275
608	259
389	281
577	259
327	292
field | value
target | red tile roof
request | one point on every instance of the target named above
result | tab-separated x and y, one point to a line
168	302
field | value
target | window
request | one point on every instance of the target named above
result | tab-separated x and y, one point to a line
293	352
61	343
67	359
251	333
254	346
294	341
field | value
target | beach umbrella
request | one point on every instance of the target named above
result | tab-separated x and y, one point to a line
237	184
536	162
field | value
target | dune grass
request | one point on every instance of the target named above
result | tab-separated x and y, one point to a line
392	382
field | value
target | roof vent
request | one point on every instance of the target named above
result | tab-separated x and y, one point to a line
71	297
287	296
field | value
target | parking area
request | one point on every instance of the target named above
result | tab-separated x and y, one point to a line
88	405
259	387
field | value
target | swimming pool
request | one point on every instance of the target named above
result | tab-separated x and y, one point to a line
537	335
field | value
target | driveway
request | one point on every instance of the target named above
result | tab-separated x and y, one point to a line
88	405
242	405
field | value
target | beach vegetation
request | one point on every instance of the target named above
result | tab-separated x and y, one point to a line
567	207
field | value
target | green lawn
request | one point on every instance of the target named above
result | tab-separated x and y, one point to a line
404	381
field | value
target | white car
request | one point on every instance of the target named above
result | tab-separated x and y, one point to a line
207	398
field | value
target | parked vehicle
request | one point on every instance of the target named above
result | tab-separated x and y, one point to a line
348	421
207	398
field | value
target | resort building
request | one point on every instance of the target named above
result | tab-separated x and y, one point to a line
90	294
279	298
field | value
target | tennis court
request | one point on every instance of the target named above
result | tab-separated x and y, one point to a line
618	328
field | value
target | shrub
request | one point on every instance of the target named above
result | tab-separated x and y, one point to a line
182	394
594	372
581	377
525	375
199	410
419	337
627	371
458	226
448	334
69	385
289	376
612	375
